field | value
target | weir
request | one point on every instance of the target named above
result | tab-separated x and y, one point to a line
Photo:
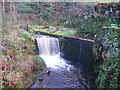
48	45
62	73
49	50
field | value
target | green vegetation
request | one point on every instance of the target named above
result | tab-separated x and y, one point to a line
106	50
18	66
25	34
65	33
54	31
39	60
83	20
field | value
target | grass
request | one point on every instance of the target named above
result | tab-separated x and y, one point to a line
55	30
65	33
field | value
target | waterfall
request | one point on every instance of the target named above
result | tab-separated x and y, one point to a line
48	45
49	50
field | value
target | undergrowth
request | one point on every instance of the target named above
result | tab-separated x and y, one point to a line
17	66
106	50
54	30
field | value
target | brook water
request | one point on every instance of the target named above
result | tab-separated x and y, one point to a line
62	73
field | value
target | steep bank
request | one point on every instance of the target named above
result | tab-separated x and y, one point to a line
17	60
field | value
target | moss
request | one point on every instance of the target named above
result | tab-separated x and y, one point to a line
39	60
25	35
41	30
64	33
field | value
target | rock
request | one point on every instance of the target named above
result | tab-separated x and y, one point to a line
36	85
48	73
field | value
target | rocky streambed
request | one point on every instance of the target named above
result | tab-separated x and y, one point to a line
61	79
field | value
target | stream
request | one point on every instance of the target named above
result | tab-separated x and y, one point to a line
60	73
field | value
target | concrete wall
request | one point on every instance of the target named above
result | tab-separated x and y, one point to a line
78	51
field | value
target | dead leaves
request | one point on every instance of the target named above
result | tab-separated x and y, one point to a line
16	64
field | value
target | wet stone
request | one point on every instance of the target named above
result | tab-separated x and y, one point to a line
62	79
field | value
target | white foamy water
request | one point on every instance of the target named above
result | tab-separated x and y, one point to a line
56	62
49	50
